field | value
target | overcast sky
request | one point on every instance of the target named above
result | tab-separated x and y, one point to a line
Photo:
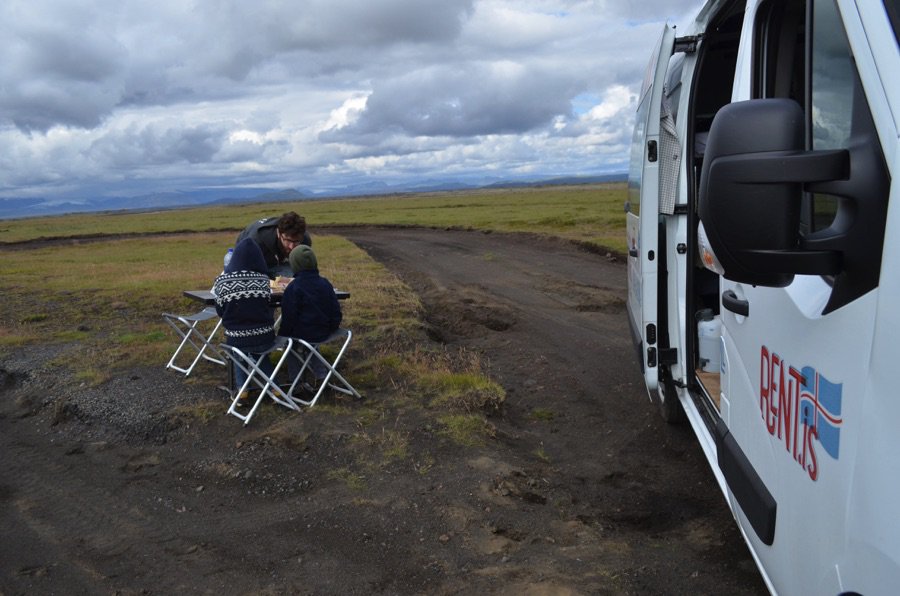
128	97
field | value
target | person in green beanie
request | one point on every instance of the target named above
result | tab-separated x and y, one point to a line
309	309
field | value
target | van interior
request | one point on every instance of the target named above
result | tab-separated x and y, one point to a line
711	90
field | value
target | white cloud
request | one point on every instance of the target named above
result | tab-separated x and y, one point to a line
347	113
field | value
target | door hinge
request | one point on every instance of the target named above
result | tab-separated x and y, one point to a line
668	356
686	44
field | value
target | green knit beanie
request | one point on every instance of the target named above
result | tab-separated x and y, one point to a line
303	259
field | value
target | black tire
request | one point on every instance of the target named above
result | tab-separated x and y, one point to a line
667	399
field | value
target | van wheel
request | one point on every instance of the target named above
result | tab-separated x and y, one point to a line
667	399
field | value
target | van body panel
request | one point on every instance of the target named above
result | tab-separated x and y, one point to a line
873	537
800	424
878	67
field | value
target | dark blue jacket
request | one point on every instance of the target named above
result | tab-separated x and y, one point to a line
242	298
309	309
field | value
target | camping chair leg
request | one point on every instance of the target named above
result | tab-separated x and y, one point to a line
266	383
344	386
332	377
188	332
298	377
237	398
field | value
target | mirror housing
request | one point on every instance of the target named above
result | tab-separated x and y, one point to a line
751	187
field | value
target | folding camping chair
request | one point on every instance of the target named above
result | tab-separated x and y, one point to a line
191	330
257	378
307	354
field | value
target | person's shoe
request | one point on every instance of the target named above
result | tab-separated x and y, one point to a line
244	399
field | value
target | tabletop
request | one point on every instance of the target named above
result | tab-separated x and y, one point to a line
207	297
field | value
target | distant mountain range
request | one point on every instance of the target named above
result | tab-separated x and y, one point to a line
37	207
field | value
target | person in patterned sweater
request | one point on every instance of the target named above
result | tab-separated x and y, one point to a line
242	300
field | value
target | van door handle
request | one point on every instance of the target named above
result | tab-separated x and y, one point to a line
735	304
633	253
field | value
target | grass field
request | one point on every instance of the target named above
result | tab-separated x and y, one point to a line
101	300
589	213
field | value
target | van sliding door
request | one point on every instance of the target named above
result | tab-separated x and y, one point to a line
642	219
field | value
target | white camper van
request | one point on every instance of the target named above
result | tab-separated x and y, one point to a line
763	228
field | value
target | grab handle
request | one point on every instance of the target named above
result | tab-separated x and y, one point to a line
735	304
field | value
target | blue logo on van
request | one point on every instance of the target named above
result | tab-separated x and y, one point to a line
820	402
800	408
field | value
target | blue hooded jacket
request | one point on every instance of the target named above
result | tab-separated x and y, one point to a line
242	298
309	309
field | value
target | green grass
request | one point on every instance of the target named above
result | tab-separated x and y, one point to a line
471	392
468	430
543	414
200	413
62	294
352	480
589	213
542	454
100	301
391	445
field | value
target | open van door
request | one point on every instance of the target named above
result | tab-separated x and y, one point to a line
642	219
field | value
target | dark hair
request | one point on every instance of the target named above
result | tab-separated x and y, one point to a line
291	224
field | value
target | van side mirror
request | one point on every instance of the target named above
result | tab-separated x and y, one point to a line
751	188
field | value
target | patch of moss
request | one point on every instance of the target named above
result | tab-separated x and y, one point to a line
351	479
469	430
542	414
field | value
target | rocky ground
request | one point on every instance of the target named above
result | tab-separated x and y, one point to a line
582	490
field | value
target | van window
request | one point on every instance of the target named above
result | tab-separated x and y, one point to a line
832	80
833	84
636	162
801	52
893	10
780	42
782	55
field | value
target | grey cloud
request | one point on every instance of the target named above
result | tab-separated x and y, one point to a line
168	144
200	52
246	151
56	53
648	10
326	23
51	75
262	121
137	147
38	105
322	37
477	100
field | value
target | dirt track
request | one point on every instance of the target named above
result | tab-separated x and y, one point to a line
595	495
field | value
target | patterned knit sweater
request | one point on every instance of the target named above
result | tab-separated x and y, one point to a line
242	298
